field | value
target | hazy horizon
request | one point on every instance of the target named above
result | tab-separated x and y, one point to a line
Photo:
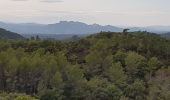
121	26
103	12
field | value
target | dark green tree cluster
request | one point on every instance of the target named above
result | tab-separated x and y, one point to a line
104	66
4	34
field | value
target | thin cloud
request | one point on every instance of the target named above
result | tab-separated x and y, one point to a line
19	0
51	1
45	1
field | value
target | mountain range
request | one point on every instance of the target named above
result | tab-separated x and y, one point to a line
71	27
63	27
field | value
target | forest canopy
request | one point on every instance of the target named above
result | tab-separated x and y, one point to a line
103	66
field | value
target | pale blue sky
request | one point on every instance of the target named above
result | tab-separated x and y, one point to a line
113	12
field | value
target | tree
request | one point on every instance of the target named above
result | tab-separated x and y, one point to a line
51	85
136	90
37	38
32	38
101	89
135	65
99	59
120	57
125	30
74	85
159	85
153	65
116	74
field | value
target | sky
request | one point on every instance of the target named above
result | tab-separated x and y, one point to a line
104	12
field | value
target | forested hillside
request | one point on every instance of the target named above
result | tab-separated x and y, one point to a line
166	35
104	66
4	34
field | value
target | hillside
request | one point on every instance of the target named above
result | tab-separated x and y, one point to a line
103	66
4	34
166	35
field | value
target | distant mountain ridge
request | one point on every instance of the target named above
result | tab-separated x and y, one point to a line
4	34
154	29
72	27
63	27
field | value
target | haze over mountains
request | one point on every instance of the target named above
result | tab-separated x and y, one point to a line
63	27
71	27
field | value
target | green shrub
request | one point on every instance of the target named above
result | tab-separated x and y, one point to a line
25	98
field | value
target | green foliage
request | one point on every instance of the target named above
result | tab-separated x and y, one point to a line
116	74
24	98
15	96
159	87
104	66
135	65
136	90
51	95
101	89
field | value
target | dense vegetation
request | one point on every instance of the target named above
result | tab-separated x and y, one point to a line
104	66
166	35
4	34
